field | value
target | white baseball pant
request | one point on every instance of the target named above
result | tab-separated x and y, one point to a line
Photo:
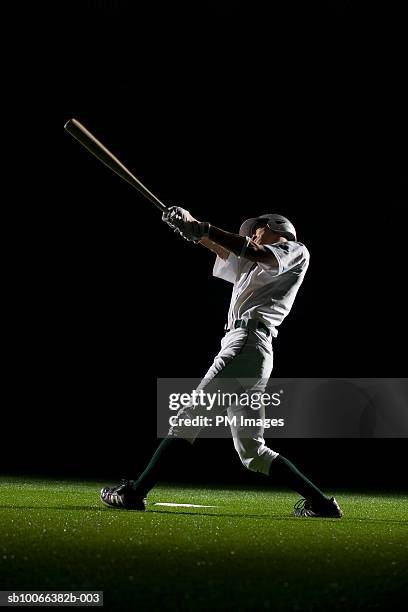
245	354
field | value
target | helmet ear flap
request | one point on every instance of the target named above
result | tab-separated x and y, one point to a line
282	226
287	235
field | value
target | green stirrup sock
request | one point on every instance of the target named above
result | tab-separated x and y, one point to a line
294	479
159	464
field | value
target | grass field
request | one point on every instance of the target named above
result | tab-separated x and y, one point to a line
246	552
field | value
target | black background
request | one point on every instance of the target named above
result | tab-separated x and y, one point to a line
230	110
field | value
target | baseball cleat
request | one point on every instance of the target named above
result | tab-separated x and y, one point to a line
306	508
123	496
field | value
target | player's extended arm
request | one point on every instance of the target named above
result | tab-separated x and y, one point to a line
214	247
242	246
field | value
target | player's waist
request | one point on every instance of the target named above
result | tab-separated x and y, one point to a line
250	324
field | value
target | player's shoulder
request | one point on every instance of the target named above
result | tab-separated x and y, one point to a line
303	247
296	248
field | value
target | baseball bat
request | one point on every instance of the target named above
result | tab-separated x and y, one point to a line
88	140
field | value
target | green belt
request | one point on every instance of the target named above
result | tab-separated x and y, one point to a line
250	324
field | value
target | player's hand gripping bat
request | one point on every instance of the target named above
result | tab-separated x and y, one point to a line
78	131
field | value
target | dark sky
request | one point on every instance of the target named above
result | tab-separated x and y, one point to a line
231	111
236	111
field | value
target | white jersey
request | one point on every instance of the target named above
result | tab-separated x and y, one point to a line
261	292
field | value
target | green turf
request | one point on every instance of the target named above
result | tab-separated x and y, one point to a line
247	552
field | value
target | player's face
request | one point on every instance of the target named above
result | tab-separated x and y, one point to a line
261	234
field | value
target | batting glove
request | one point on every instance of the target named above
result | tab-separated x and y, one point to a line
182	221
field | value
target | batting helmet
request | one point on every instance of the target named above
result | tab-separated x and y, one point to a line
276	223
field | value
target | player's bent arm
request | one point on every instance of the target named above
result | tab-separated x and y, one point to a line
241	246
215	248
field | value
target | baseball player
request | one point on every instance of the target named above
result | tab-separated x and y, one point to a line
266	265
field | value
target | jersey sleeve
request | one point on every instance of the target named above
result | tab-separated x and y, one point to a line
289	255
227	269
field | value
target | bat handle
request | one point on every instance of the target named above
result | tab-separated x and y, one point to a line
156	202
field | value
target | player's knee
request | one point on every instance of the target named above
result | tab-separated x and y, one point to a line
255	455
